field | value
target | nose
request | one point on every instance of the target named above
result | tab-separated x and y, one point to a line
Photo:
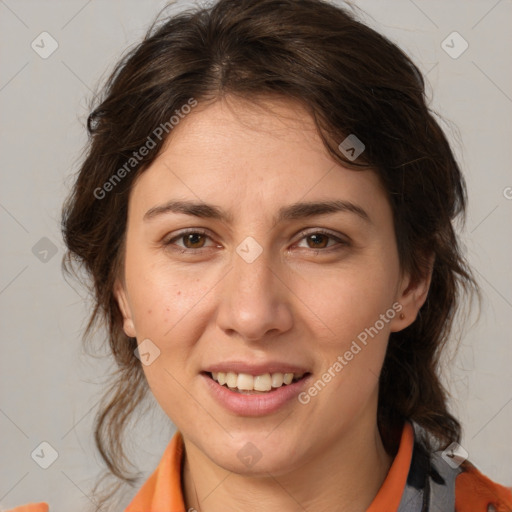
255	299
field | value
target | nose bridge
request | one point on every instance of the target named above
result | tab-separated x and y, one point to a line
253	300
252	273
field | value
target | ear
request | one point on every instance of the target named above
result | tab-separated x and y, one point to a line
124	306
411	296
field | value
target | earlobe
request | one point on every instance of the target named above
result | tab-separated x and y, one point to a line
124	307
412	296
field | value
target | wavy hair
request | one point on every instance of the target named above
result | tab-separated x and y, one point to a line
352	80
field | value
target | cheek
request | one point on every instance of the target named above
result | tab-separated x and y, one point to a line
168	309
355	304
350	299
358	313
162	297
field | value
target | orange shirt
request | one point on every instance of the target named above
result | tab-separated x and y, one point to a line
157	495
162	491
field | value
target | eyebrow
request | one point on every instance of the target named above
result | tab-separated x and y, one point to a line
291	212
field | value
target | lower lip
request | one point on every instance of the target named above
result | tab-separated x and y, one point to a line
257	404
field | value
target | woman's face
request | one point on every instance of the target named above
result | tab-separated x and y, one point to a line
265	283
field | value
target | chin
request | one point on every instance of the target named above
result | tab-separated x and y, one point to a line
276	465
257	456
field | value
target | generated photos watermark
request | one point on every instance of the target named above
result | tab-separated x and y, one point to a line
144	150
343	360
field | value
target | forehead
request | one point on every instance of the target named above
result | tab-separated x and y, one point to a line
242	154
246	127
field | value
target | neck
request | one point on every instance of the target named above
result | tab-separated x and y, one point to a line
345	478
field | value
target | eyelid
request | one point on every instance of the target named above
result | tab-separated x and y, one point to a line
342	240
180	234
323	231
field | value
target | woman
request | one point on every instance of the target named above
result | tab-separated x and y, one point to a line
266	213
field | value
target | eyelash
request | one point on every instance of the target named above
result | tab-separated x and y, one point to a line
303	234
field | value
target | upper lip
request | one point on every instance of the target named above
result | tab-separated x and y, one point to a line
255	369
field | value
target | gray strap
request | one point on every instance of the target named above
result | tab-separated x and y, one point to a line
442	496
434	490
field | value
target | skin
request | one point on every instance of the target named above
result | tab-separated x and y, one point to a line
294	303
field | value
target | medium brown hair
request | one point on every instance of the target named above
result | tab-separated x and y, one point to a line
351	80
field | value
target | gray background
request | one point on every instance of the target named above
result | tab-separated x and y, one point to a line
50	387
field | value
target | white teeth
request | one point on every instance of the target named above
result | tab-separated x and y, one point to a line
277	380
261	383
288	377
231	379
245	382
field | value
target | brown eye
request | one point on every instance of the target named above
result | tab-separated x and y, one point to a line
188	241
196	240
322	240
319	240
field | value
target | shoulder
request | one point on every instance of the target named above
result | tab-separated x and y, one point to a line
442	480
30	507
474	492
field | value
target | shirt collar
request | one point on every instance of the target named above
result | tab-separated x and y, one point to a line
163	489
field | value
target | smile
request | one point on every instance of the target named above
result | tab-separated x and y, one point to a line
239	394
248	384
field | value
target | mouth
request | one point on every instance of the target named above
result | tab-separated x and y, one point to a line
246	384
